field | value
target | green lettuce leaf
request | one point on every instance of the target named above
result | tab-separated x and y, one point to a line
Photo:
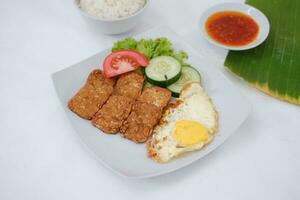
146	47
163	48
151	48
181	56
128	43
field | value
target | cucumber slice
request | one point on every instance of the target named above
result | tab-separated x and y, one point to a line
147	84
188	75
163	71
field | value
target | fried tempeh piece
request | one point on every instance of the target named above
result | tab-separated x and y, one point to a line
90	98
138	126
156	95
129	85
145	114
111	116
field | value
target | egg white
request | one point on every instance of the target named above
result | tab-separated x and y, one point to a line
196	106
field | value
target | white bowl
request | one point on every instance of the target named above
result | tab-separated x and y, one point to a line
113	26
258	16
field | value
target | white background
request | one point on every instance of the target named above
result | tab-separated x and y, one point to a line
41	157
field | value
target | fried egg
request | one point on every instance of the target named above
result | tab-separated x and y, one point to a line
187	125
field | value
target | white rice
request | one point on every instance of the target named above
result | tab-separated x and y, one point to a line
111	9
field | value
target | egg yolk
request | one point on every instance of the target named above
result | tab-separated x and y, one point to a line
188	133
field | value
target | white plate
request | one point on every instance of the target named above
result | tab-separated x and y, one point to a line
258	16
129	159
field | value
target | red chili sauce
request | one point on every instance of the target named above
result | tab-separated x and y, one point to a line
232	28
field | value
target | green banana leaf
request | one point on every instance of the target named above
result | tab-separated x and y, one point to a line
274	66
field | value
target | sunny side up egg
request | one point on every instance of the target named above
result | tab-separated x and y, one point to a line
187	125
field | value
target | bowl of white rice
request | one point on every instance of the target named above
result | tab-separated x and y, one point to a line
112	16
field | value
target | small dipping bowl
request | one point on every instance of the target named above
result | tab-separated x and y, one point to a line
255	14
113	26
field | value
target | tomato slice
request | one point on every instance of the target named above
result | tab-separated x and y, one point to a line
120	62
